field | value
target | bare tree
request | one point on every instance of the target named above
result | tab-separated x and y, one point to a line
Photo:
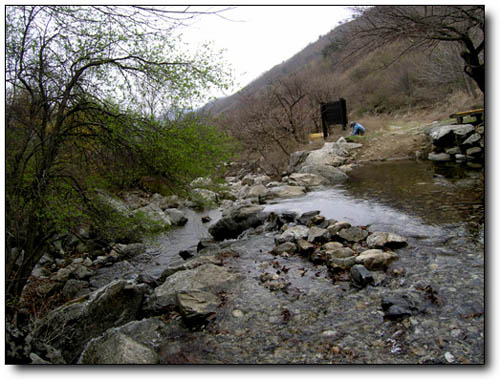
425	27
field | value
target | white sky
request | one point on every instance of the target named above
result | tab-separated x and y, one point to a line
261	37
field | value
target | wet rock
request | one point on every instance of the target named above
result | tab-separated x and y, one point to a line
340	263
176	216
186	265
386	239
399	306
286	247
285	191
304	247
208	277
293	234
306	217
376	259
352	234
133	343
187	254
339	253
440	157
306	179
318	235
196	305
75	288
361	277
331	174
337	226
154	213
237	221
71	325
206	219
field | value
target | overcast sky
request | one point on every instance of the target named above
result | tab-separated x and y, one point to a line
256	38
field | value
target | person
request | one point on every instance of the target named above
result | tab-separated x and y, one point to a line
358	129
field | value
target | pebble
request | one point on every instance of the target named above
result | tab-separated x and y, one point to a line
449	357
237	313
328	333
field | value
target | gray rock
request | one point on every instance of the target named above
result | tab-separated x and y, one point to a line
376	259
114	347
71	325
153	212
400	305
337	226
236	221
285	191
331	174
440	157
304	247
353	234
306	217
318	235
341	252
187	265
208	277
176	216
306	179
385	239
361	276
341	263
293	234
287	247
75	288
196	305
449	135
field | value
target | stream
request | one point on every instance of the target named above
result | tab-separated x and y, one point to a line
316	319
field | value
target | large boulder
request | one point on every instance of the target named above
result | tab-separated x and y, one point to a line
306	179
70	326
236	221
207	277
445	136
292	234
132	343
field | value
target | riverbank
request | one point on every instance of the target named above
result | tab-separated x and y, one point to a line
296	274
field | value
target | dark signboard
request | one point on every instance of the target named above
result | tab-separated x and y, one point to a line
333	113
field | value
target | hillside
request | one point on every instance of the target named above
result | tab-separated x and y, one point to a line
394	76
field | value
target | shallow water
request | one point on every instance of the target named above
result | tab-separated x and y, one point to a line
319	320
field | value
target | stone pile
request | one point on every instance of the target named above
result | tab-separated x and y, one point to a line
459	143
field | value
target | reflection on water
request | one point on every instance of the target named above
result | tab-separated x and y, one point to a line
437	193
404	196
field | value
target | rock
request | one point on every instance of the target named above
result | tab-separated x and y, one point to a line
440	157
474	153
176	216
361	276
208	277
472	139
332	175
187	254
257	191
304	247
285	191
453	151
306	179
201	182
385	239
138	338
399	306
118	348
376	259
318	235
186	265
155	214
238	220
287	247
196	305
71	325
449	135
75	288
129	250
337	226
341	252
342	263
306	217
353	234
293	234
330	246
204	196
206	219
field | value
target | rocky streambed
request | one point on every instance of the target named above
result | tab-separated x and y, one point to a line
316	269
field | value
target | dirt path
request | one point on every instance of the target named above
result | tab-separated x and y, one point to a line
387	138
